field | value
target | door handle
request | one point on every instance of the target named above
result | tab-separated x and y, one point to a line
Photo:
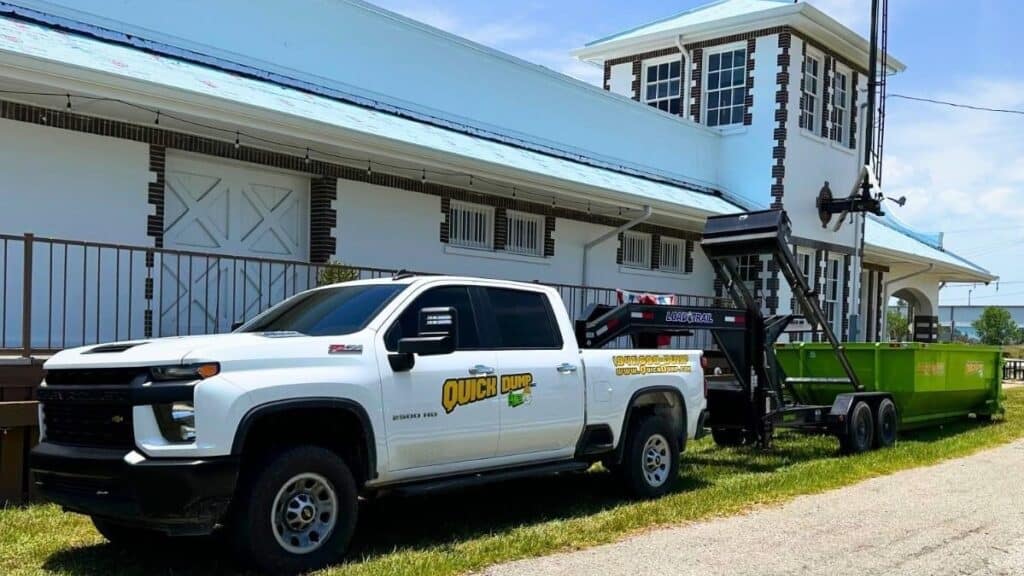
566	368
481	370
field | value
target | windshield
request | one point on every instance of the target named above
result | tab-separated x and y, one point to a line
328	312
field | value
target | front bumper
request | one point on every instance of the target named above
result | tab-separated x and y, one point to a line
174	496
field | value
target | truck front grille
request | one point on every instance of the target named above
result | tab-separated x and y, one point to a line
94	376
98	425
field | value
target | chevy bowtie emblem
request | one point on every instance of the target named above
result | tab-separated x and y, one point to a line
117	419
345	349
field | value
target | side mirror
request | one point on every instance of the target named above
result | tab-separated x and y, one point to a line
236	325
436	337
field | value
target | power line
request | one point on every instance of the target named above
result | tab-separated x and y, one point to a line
956	104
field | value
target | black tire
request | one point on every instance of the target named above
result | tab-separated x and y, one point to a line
650	462
728	437
128	537
860	430
886	424
987	418
252	531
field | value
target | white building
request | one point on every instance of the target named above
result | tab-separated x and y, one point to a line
183	169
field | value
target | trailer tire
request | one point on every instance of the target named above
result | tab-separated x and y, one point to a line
886	424
650	463
986	418
860	430
287	503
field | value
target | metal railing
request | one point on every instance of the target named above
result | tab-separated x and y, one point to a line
58	293
1013	369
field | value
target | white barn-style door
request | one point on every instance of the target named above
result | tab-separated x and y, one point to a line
243	214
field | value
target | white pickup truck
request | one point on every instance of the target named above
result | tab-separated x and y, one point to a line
410	384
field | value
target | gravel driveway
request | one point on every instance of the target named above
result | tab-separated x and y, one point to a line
963	517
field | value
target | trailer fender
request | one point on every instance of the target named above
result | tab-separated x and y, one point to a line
844	403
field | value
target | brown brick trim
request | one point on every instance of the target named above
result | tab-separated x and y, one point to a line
155	195
618	251
697	84
863	69
323	218
880	303
848	269
753	34
782	81
772	300
642	56
826	102
655	251
855	78
446	224
549	238
162	139
688	263
638	64
748	102
500	228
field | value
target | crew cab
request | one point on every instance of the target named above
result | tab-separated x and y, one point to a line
412	383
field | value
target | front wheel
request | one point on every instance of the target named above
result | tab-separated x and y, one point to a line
651	460
297	513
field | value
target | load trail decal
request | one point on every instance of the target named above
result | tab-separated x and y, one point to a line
638	365
457	392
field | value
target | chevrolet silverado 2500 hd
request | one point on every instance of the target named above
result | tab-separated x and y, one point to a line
409	383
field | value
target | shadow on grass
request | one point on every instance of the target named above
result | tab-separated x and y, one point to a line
395	523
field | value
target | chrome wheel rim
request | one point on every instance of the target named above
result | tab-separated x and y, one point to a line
304	513
657	462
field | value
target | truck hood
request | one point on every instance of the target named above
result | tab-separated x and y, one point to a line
160	351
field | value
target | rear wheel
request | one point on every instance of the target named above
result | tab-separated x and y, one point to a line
860	430
886	424
297	513
651	461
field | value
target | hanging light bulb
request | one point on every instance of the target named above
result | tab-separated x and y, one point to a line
513	191
69	102
471	180
306	159
369	168
238	142
424	178
157	121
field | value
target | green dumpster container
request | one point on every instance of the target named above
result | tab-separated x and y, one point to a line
928	382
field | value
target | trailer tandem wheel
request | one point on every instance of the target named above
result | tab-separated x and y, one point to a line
886	424
860	430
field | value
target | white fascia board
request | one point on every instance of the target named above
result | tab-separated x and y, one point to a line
313	132
801	16
886	256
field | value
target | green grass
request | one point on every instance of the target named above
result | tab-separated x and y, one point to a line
465	531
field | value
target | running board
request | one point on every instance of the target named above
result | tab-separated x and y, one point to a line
460	482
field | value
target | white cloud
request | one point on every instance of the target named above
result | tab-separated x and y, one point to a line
962	171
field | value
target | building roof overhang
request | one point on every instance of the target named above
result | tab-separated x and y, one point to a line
801	16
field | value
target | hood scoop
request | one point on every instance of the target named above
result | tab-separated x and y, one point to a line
113	348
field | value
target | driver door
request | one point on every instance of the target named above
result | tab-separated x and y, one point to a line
445	409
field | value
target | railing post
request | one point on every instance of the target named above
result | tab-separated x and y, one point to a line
26	298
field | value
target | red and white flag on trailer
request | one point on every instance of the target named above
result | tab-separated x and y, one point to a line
628	297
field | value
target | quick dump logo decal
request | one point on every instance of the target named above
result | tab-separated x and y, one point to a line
637	365
519	389
457	392
974	368
462	391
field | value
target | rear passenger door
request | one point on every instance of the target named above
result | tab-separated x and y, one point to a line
540	380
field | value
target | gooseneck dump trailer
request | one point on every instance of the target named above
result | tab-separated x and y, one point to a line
862	393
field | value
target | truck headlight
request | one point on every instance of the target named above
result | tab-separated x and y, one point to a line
184	372
177	421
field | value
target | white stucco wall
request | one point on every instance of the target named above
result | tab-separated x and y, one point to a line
67	185
810	162
390	228
746	151
621	81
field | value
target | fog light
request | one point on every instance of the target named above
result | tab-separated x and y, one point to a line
177	421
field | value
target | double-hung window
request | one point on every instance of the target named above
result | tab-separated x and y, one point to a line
811	87
831	305
672	255
840	105
636	249
662	86
726	87
471	225
525	233
749	269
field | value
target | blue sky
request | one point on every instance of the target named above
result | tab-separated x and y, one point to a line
961	171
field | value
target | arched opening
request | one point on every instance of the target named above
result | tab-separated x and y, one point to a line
907	304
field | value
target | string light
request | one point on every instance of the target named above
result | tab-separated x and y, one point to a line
307	158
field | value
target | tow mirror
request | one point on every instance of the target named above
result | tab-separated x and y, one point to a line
436	337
